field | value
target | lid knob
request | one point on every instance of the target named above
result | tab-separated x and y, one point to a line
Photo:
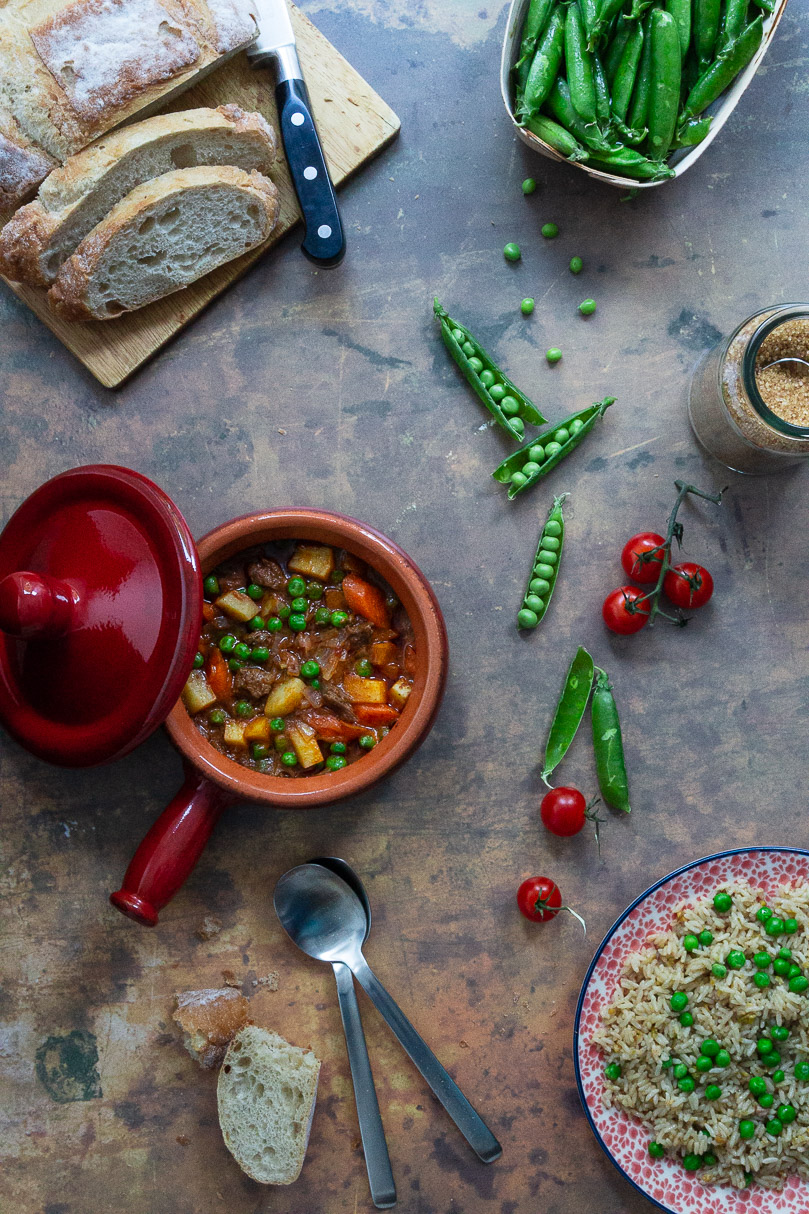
36	605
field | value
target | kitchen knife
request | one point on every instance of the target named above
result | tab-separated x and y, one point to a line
324	242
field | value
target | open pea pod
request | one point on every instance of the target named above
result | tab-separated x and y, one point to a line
569	710
500	388
539	455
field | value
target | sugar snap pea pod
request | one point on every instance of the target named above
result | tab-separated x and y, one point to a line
540	455
535	21
478	374
608	745
569	710
639	107
693	132
723	71
664	99
627	135
734	19
626	72
615	50
559	105
603	102
545	65
767	5
607	10
557	137
626	162
579	65
681	12
545	568
705	28
589	15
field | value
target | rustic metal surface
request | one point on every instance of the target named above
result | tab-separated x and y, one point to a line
332	389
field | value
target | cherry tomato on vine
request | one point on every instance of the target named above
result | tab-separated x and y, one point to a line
639	569
618	612
563	811
688	585
539	899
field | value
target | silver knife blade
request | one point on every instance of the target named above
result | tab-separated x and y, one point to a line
274	25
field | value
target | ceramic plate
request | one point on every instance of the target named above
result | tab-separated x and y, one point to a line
624	1140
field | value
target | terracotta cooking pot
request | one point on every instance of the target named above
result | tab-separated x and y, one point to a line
172	847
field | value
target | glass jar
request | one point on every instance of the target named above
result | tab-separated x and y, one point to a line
727	412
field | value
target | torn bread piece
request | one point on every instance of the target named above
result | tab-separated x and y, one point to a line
210	1019
266	1093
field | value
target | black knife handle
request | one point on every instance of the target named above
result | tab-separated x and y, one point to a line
324	242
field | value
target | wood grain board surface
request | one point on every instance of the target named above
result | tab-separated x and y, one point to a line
354	124
333	389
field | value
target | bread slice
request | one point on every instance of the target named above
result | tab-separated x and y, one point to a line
22	165
210	1019
77	196
164	235
266	1094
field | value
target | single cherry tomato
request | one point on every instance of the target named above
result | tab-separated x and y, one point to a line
642	557
563	811
688	585
539	899
619	613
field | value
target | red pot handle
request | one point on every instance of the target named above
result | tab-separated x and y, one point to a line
171	848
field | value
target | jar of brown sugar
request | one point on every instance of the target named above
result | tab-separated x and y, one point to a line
748	407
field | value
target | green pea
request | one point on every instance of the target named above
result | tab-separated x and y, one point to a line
277	724
587	307
297	622
536	454
722	902
284	612
469	350
338	748
322	615
548	557
511	252
364	668
576	265
774	1126
549	230
778	1076
709	1160
335	762
289	758
773	1059
576	426
722	1059
680	1071
703	1063
794	970
527	618
299	604
767	1100
459	336
527	307
710	1047
552	449
518	427
337	576
553	527
227	643
713	1091
256	623
764	1046
259	750
199	661
539	586
613	1070
260	654
786	953
510	406
241	651
790	926
692	1163
338	618
706	938
553	354
690	942
211	585
310	669
295	586
801	1071
763	914
530	469
762	961
217	716
518	479
656	1150
667	1062
367	741
550	543
747	1128
281	742
274	624
786	1113
476	365
561	435
534	603
774	926
314	591
735	959
781	966
243	708
545	571
234	665
529	185
779	1032
718	970
761	979
798	984
686	1020
687	1084
487	378
256	593
758	1085
497	392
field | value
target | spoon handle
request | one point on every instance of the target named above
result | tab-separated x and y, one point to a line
377	1161
469	1122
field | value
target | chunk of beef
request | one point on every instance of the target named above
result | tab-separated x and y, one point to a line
267	573
359	630
261	637
254	682
339	700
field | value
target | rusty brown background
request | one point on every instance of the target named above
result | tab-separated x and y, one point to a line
332	389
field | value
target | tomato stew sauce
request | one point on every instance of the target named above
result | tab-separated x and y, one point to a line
305	661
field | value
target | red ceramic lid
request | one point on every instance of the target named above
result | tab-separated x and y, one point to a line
100	612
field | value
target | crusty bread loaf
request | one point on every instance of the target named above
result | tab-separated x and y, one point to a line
77	196
210	1019
22	165
164	235
266	1094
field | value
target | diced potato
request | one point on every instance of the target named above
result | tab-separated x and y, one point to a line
313	560
238	606
234	734
304	743
197	693
258	730
284	698
334	599
399	692
365	691
383	652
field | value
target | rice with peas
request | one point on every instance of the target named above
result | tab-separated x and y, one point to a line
654	1046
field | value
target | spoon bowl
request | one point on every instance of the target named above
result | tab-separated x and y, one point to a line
793	364
351	879
320	913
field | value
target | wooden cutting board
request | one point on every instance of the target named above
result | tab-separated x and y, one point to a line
354	124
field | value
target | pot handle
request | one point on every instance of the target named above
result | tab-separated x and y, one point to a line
171	848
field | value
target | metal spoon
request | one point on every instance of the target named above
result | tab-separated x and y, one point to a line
372	1133
798	366
325	918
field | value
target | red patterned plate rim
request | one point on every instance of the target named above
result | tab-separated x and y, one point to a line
622	1139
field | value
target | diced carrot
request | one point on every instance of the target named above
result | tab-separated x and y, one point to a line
220	679
365	599
382	652
330	728
208	611
375	714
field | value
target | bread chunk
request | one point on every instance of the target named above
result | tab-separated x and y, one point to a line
210	1020
22	164
266	1094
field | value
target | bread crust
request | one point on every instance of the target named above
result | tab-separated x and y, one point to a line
68	295
210	1019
